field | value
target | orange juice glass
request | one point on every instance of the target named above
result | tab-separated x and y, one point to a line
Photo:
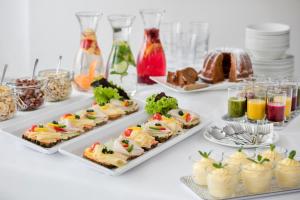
256	104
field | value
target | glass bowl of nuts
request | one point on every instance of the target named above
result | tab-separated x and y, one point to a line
58	85
8	106
29	93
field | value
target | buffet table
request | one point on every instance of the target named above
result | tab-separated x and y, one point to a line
27	174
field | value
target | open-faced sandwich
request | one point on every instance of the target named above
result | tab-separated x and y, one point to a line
128	106
127	147
174	125
42	135
65	132
187	118
106	92
158	129
140	137
96	115
110	110
75	122
102	155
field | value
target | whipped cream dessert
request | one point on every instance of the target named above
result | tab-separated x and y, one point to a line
287	172
257	175
221	181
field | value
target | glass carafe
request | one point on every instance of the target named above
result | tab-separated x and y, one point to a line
121	68
151	59
88	62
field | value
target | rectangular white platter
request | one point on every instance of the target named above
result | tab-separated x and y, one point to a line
75	149
48	107
16	130
162	80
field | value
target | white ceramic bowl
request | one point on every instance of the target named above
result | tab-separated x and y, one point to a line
268	29
268	54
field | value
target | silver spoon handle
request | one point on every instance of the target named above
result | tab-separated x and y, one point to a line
3	73
59	63
34	67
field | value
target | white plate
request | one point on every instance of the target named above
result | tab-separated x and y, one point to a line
17	131
75	149
268	29
273	140
217	86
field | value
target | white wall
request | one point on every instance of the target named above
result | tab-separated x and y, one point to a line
14	36
53	28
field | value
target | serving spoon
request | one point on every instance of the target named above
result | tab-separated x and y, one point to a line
3	73
34	68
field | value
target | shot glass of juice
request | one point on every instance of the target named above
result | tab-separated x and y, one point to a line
236	102
256	104
288	103
294	85
276	100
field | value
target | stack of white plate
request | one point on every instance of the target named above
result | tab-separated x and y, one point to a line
267	44
279	68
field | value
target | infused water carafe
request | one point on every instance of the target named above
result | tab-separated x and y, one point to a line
88	62
151	60
121	67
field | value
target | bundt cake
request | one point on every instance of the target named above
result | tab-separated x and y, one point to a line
221	64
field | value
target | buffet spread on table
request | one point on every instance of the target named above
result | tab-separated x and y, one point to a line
112	132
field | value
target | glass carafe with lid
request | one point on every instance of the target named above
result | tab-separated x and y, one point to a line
151	60
88	62
121	67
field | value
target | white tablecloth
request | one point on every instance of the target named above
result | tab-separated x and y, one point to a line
27	174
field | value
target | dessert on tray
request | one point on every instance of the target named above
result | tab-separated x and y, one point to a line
136	139
111	102
201	167
243	175
287	171
221	64
185	78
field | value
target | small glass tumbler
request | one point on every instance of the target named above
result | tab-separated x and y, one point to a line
256	104
236	102
276	100
288	103
294	85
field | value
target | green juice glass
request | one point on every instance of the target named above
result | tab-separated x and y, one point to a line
237	103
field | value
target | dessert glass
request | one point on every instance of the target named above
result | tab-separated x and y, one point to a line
222	182
58	86
8	105
201	167
274	156
287	173
257	177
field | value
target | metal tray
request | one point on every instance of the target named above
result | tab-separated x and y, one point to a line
202	191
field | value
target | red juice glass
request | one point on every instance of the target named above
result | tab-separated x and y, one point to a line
151	59
276	100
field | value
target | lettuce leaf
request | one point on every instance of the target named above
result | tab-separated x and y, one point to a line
103	95
162	106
